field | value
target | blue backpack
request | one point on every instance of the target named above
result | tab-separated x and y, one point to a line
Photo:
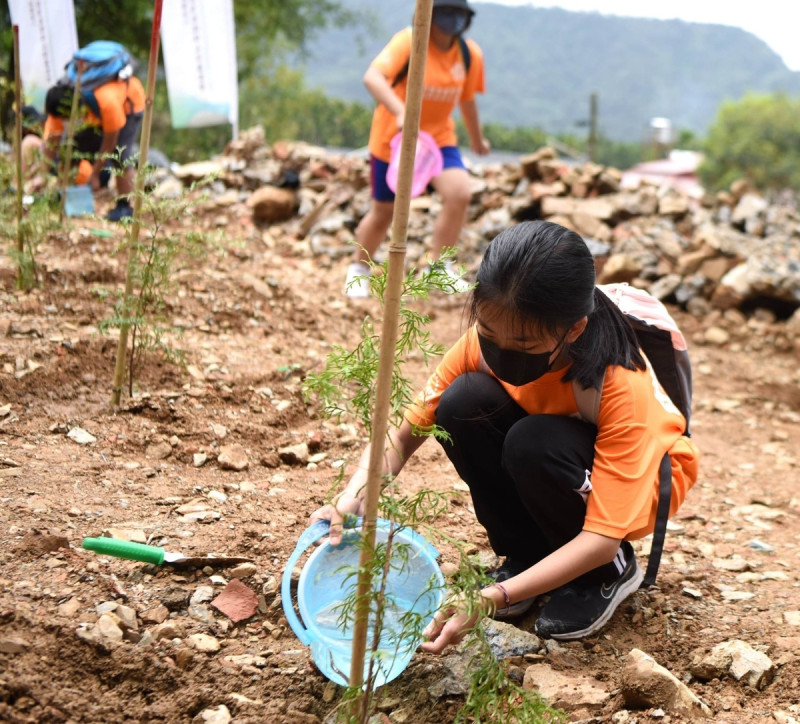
104	61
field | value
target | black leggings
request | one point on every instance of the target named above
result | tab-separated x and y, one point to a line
524	471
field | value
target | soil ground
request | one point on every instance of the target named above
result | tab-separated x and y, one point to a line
730	571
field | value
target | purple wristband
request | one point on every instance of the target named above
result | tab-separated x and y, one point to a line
505	595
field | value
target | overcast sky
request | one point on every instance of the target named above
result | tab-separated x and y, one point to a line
776	22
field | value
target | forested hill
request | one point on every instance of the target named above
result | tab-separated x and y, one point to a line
542	65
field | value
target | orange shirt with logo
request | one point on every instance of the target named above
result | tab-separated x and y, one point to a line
637	424
446	85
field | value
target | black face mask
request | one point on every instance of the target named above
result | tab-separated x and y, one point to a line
452	21
516	368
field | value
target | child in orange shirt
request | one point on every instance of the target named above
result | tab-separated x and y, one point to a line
447	83
560	497
114	133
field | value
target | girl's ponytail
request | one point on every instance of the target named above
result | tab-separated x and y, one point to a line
607	340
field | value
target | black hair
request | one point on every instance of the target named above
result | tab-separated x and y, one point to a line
543	276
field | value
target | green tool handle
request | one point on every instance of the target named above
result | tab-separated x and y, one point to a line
125	549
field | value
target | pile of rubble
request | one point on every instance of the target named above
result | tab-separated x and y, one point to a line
729	251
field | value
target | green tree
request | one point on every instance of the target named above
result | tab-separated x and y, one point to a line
757	137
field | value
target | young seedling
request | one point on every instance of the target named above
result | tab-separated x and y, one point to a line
152	259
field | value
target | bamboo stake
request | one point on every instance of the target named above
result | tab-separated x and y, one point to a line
66	166
394	285
18	156
133	238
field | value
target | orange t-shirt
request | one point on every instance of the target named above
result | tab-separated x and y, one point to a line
637	424
446	84
116	101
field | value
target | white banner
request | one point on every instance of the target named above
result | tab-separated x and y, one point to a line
48	37
200	62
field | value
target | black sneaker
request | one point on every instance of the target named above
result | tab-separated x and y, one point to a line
576	610
509	569
122	210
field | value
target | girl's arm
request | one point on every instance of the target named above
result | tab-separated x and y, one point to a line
469	112
382	92
583	553
402	444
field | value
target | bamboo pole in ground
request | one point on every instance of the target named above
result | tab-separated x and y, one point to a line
394	285
133	234
18	155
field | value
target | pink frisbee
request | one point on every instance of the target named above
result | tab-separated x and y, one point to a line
428	163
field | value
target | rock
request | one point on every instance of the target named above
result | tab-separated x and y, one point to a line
735	658
294	454
202	594
233	457
645	684
530	162
246	660
270	204
716	336
191	172
13	645
168	630
213	715
159	450
203	643
127	617
169	188
236	601
595	208
81	436
244	570
620	268
70	608
565	690
507	640
108	627
155	615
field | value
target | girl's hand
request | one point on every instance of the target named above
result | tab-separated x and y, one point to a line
400	117
482	147
335	512
450	624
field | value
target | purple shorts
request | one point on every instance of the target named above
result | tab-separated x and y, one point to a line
378	169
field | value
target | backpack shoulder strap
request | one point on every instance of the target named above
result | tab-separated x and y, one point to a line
466	58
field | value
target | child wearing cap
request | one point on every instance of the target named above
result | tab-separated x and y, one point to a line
454	74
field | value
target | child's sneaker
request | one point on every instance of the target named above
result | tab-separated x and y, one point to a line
577	610
122	210
356	285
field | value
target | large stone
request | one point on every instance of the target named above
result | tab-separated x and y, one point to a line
565	690
233	457
735	658
270	204
596	208
620	268
646	684
197	171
